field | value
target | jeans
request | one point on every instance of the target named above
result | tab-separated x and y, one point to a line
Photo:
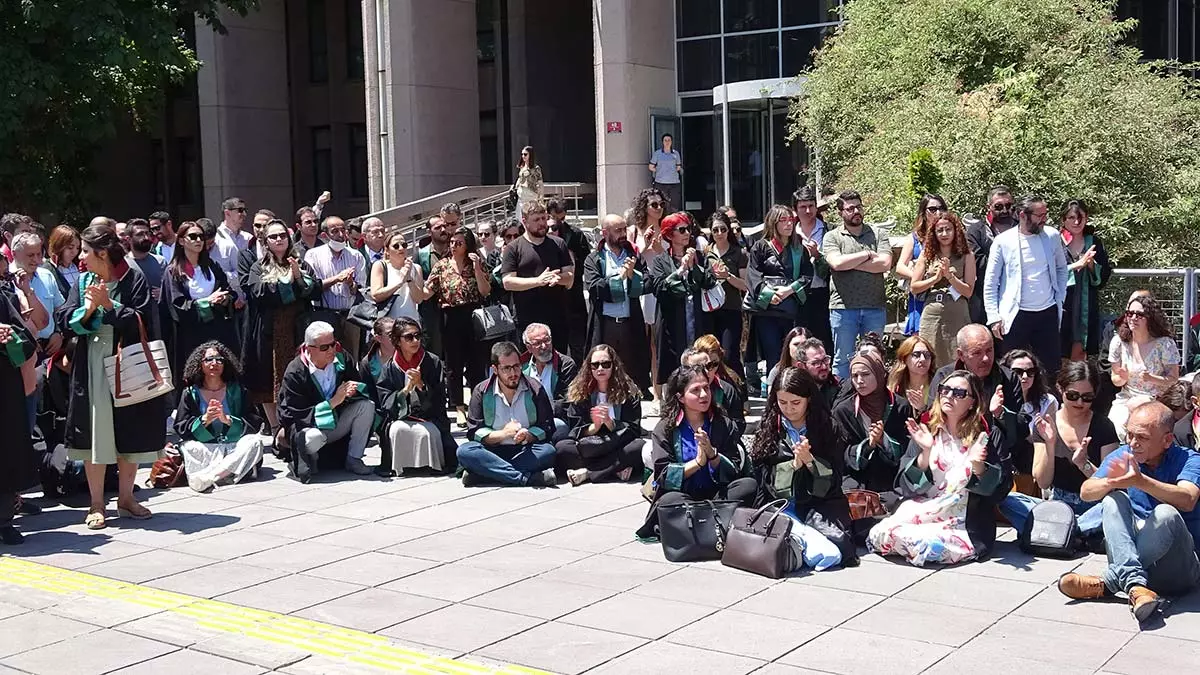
770	331
561	429
505	464
847	325
1160	556
1017	507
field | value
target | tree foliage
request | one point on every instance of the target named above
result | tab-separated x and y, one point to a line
71	70
924	176
1042	95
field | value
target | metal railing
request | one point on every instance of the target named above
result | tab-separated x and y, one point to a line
1173	288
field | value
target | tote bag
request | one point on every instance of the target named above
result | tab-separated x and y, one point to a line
138	372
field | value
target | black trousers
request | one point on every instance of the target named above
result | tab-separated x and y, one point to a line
577	325
462	355
603	467
7	502
1037	332
727	327
743	490
814	315
628	339
674	194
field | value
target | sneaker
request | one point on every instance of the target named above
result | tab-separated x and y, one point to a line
471	480
356	466
545	478
461	414
1144	603
9	536
1081	587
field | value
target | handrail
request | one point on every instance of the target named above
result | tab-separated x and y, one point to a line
477	202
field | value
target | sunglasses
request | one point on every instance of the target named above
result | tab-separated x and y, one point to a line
455	243
397	247
953	392
326	347
683	229
712	365
214	359
1134	314
1002	208
277	236
192	236
720	230
924	356
601	365
156	229
1025	372
936	209
510	237
655	205
410	337
1072	395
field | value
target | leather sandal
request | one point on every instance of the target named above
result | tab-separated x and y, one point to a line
139	513
95	520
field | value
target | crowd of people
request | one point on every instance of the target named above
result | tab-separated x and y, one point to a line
542	345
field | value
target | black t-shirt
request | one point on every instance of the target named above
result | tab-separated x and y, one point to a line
1067	476
529	261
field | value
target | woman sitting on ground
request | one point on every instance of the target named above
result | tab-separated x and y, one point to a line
953	475
914	368
216	420
796	457
412	400
694	451
605	416
1036	401
381	350
727	387
871	425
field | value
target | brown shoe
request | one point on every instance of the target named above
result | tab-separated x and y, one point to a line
1143	602
1081	587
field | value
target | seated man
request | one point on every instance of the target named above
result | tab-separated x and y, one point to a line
1149	490
509	422
323	399
554	370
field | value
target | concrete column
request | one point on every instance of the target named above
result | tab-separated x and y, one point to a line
245	128
424	128
634	46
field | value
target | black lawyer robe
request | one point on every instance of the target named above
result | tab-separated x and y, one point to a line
195	321
263	299
18	464
429	405
674	291
299	397
595	279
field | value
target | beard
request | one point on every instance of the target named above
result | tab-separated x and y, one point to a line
544	357
142	246
1004	220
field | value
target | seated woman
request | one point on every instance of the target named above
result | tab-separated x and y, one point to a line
792	353
605	415
725	393
1145	359
412	400
1036	400
871	425
796	457
216	421
913	371
953	475
695	453
380	351
1068	445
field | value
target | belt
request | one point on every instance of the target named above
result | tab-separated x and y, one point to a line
616	319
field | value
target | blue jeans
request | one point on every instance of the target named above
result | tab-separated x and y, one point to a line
770	331
561	429
1017	507
847	325
1160	556
505	464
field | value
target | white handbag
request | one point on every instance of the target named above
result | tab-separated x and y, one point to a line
712	299
138	372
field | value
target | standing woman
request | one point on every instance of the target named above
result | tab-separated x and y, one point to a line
412	401
782	266
1087	261
930	208
871	425
945	274
676	279
64	254
18	463
459	283
198	296
913	371
106	308
645	232
729	264
397	279
278	290
605	415
529	179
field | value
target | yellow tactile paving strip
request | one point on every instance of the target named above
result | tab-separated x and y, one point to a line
314	637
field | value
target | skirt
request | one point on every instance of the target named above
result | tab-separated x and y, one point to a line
415	445
940	323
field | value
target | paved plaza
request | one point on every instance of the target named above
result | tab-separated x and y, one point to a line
422	575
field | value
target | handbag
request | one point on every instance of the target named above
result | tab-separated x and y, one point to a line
694	530
366	312
167	472
139	372
493	322
758	544
865	504
1050	530
712	299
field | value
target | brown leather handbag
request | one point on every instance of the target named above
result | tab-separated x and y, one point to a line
865	504
168	472
758	540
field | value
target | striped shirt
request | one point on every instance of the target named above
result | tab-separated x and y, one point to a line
326	264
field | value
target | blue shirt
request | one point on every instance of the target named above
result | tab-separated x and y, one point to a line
45	287
1178	464
666	166
612	264
701	481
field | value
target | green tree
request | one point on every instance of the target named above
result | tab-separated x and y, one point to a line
1042	95
71	70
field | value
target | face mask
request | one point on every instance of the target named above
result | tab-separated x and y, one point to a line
336	246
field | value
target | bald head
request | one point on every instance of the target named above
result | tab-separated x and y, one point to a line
1149	431
975	349
613	227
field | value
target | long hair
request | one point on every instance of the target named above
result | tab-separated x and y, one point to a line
719	218
673	391
931	249
922	224
898	378
1039	387
771	224
640	202
621	387
709	344
785	355
193	370
972	422
179	257
797	382
272	268
532	158
1156	320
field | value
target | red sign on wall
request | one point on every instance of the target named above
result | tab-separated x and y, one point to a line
613	127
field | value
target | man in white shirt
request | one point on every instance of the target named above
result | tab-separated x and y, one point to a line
163	229
343	271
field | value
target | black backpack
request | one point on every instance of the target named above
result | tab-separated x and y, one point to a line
1050	530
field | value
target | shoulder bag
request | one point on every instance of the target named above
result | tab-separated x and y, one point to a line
493	322
694	530
139	372
758	542
366	312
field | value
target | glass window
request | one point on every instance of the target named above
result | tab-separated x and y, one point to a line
751	57
791	167
322	158
805	12
699	64
359	184
188	171
354	40
696	104
159	169
699	141
318	48
798	46
699	17
743	15
1150	35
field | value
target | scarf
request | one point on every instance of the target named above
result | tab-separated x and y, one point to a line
873	404
409	364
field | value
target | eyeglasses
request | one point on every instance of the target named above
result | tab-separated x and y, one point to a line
240	209
953	392
1134	314
326	347
936	209
508	369
788	219
601	365
410	337
1024	372
824	361
924	356
194	236
654	205
277	236
1072	395
214	359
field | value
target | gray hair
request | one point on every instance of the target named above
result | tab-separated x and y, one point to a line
314	331
971	330
26	240
533	327
371	222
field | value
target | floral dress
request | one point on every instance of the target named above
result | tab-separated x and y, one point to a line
932	529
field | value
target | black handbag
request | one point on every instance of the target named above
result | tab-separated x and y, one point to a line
1050	530
758	543
493	322
367	312
604	443
695	530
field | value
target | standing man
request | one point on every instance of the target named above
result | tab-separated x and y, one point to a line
614	275
12	224
859	257
667	169
235	218
122	229
427	256
814	312
373	241
151	265
163	230
342	271
247	257
1026	284
537	269
308	226
451	215
980	235
578	247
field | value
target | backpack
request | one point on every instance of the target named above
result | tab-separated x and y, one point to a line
1050	530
